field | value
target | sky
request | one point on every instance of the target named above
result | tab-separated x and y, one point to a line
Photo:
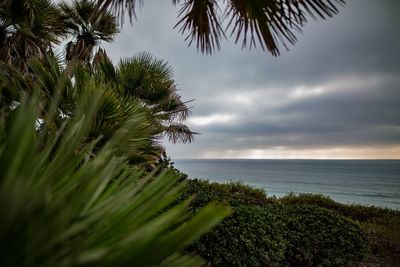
335	94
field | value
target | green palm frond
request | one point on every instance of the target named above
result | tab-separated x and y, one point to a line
151	81
63	207
12	84
28	30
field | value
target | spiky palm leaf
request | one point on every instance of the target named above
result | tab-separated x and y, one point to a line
151	81
52	81
266	22
270	23
28	28
89	26
60	206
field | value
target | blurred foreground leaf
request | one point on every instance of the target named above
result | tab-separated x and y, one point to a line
63	206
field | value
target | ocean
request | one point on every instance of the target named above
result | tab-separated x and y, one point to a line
367	182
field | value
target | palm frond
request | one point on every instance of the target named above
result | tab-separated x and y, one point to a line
121	7
89	26
202	19
269	23
151	81
177	132
146	78
29	29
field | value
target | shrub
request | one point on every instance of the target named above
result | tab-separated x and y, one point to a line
355	212
318	237
252	236
263	232
234	194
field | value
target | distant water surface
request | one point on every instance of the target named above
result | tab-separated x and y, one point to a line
368	182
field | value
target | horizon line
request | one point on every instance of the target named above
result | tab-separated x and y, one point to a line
393	159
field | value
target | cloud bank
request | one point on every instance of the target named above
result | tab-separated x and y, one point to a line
335	94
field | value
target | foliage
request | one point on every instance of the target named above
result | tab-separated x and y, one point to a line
384	240
28	28
319	237
60	206
125	94
151	81
263	232
251	236
268	23
355	212
381	226
88	25
234	194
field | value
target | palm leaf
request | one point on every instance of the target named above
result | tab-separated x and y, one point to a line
269	23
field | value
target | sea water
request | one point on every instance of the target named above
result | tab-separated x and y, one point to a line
367	182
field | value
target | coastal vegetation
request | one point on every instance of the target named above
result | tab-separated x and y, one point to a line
85	181
295	230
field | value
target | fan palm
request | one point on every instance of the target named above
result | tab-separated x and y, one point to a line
89	26
151	81
28	28
140	85
266	22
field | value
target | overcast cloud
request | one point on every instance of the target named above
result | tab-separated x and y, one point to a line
335	94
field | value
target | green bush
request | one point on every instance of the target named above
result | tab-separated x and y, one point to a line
356	212
318	237
234	194
252	236
263	232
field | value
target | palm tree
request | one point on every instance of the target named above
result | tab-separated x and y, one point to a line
270	23
89	26
140	85
28	29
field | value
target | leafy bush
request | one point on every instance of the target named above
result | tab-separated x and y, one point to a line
251	236
234	194
318	237
263	232
356	212
381	225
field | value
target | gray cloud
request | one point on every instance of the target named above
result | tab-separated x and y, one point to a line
339	86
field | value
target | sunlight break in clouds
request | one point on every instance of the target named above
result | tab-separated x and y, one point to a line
211	119
316	153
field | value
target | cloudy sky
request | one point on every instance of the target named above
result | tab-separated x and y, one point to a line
335	94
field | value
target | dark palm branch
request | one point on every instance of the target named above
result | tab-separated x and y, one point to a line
89	26
269	23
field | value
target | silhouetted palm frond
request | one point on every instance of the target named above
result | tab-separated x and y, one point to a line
89	26
28	29
268	23
177	132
